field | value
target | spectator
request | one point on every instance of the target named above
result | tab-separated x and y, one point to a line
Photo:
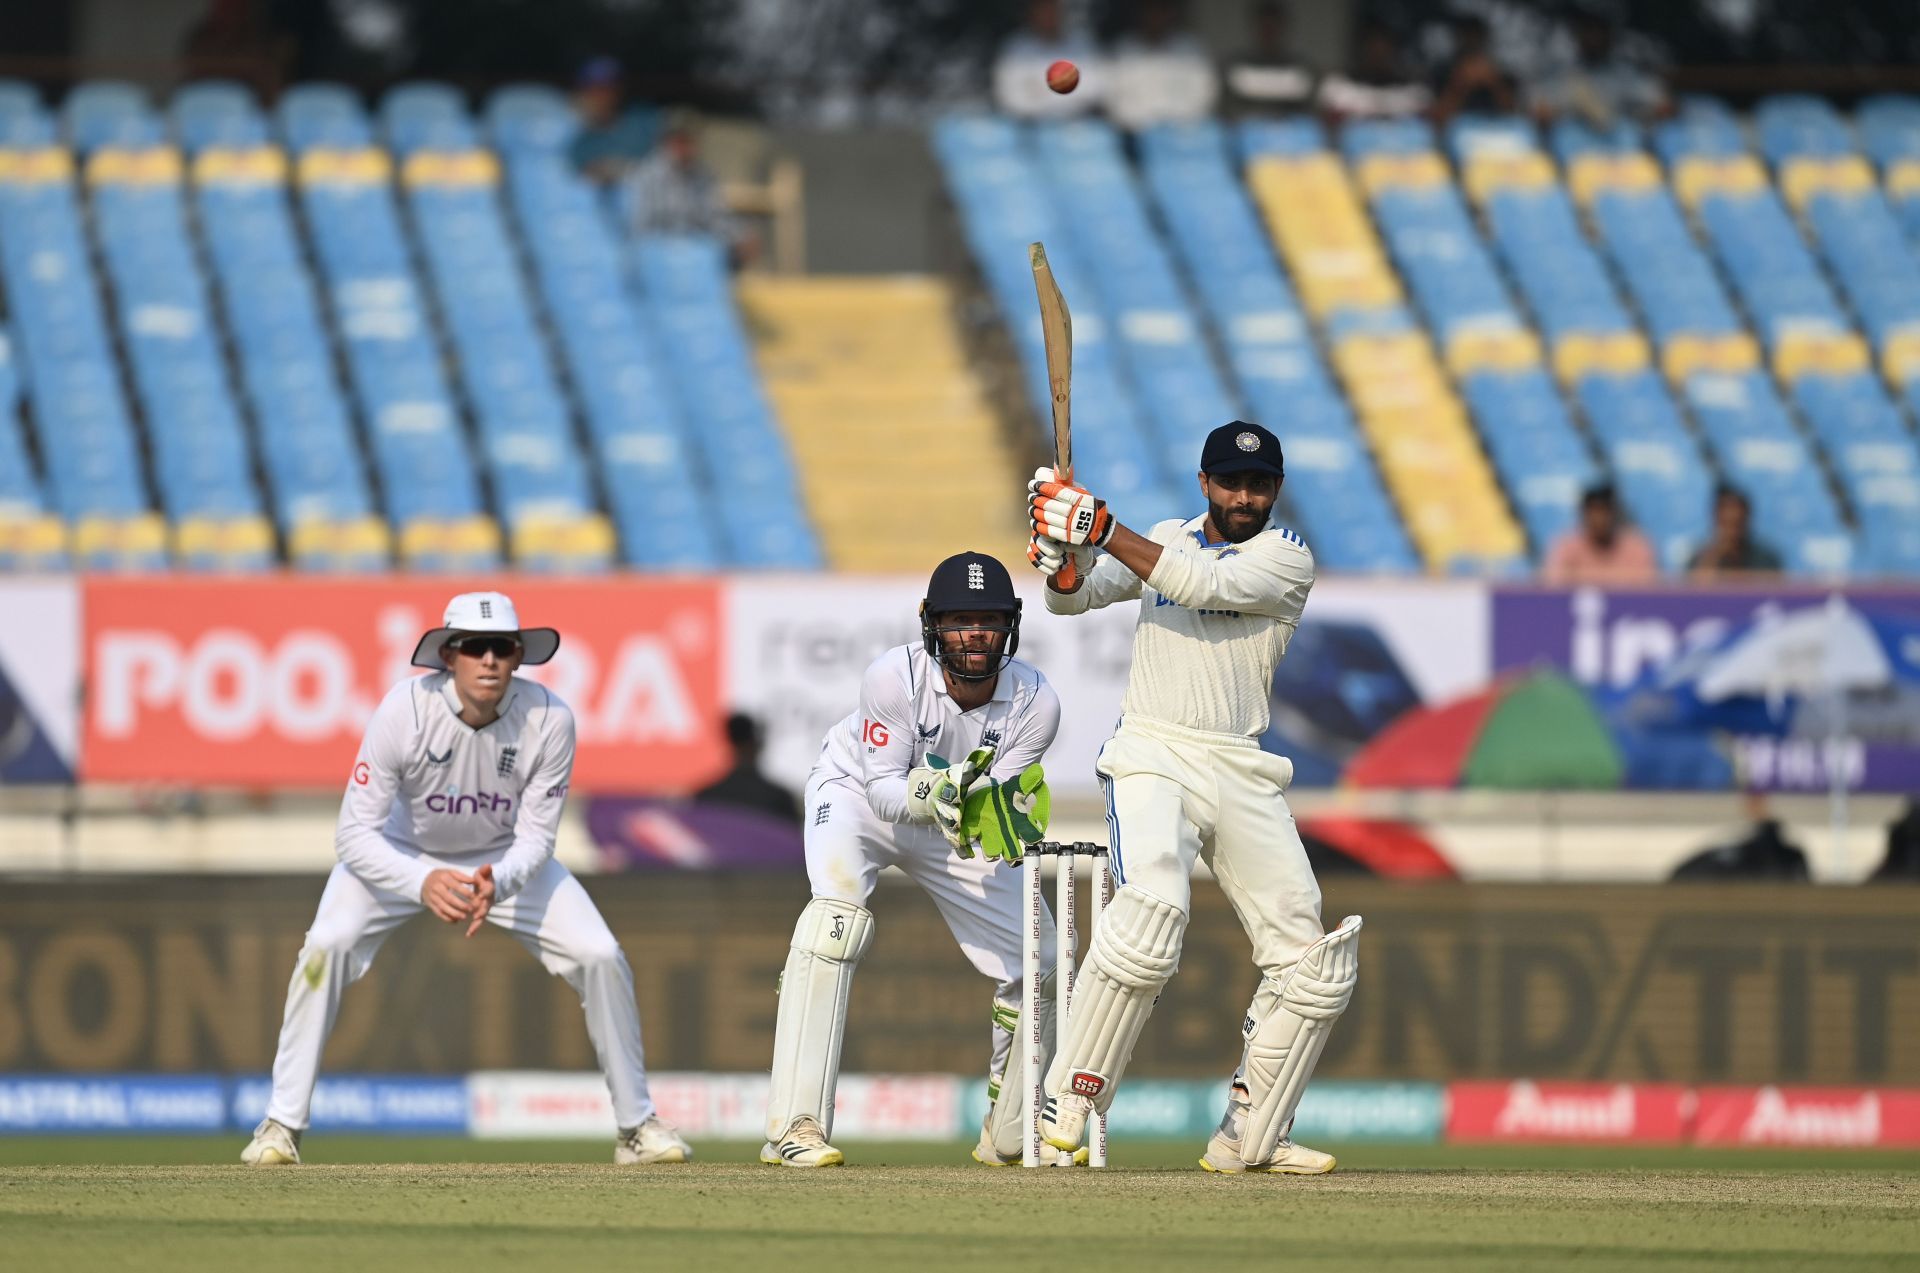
674	192
1598	85
1379	85
1902	863
1020	69
743	785
1269	79
1471	82
1602	548
1732	549
1160	73
613	138
1764	854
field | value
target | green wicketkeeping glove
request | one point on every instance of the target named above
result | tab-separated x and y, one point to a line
947	787
1005	817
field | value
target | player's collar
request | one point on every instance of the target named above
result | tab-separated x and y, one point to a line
1198	529
451	697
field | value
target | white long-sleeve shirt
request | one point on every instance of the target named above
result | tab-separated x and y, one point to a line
1215	620
905	712
426	782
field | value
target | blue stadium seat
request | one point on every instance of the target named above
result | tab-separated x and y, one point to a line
1535	448
530	117
319	114
1662	478
425	115
217	113
1796	124
1873	453
101	113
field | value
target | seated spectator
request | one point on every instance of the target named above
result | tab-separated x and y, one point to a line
1902	863
1602	549
744	786
1380	84
1470	81
1160	73
1020	69
1598	85
1269	79
1764	854
1732	549
673	192
614	138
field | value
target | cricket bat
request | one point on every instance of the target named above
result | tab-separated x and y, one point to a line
1056	327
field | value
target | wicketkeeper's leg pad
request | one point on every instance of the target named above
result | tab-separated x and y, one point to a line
1135	951
1287	1043
827	945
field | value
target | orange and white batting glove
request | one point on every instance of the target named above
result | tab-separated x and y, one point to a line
1049	555
1067	513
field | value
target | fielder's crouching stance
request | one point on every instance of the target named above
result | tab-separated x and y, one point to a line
1220	597
452	807
882	793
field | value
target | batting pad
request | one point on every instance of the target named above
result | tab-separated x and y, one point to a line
1286	1045
827	945
1135	950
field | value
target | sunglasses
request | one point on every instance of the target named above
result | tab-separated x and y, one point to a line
478	647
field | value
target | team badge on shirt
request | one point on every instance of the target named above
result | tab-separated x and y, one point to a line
507	757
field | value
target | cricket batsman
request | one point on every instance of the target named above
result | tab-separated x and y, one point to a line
1220	596
452	807
936	772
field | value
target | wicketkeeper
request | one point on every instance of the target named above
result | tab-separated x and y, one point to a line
452	807
937	773
1220	596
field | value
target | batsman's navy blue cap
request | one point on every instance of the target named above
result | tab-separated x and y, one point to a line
970	581
1239	447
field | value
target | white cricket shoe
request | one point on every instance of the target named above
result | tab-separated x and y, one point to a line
804	1145
1063	1123
273	1144
985	1154
1289	1159
654	1141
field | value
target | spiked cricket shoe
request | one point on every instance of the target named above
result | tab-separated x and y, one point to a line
654	1141
273	1145
804	1145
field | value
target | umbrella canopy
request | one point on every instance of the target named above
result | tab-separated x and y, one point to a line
1534	732
1817	650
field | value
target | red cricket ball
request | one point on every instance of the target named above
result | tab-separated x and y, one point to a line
1063	76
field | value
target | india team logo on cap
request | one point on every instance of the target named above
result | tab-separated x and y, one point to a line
1247	442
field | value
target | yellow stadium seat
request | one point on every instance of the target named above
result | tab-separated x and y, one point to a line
151	166
1819	351
1698	176
230	540
363	167
1688	354
1806	176
42	166
1393	172
1487	173
255	166
1903	177
32	540
1324	235
1472	349
568	542
1900	355
450	168
1591	173
1582	354
128	538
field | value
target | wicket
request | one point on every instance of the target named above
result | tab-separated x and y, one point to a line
1033	975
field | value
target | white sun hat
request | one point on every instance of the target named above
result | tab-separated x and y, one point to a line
490	613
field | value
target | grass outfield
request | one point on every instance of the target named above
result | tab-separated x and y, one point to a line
368	1204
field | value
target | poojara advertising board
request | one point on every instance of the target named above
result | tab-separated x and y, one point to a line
270	682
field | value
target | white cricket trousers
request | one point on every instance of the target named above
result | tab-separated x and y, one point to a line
552	916
982	900
1175	795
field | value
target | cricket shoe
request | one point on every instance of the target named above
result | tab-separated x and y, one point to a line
1289	1159
654	1141
1063	1123
273	1145
985	1154
804	1145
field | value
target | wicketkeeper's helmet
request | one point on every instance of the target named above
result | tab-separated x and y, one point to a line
963	582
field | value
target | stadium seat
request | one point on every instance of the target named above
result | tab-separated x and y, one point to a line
318	115
217	113
31	537
1874	456
101	113
529	117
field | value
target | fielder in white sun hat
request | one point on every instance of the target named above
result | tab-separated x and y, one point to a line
484	614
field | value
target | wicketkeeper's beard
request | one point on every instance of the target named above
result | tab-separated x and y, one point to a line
1238	529
977	664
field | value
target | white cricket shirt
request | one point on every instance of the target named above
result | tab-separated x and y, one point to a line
427	782
905	713
1215	620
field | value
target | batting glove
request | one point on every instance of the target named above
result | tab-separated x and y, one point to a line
1049	555
1068	513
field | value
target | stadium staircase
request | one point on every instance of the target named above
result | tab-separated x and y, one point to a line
871	380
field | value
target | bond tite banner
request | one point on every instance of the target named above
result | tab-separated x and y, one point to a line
269	682
1636	1113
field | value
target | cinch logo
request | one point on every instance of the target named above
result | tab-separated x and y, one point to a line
484	802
